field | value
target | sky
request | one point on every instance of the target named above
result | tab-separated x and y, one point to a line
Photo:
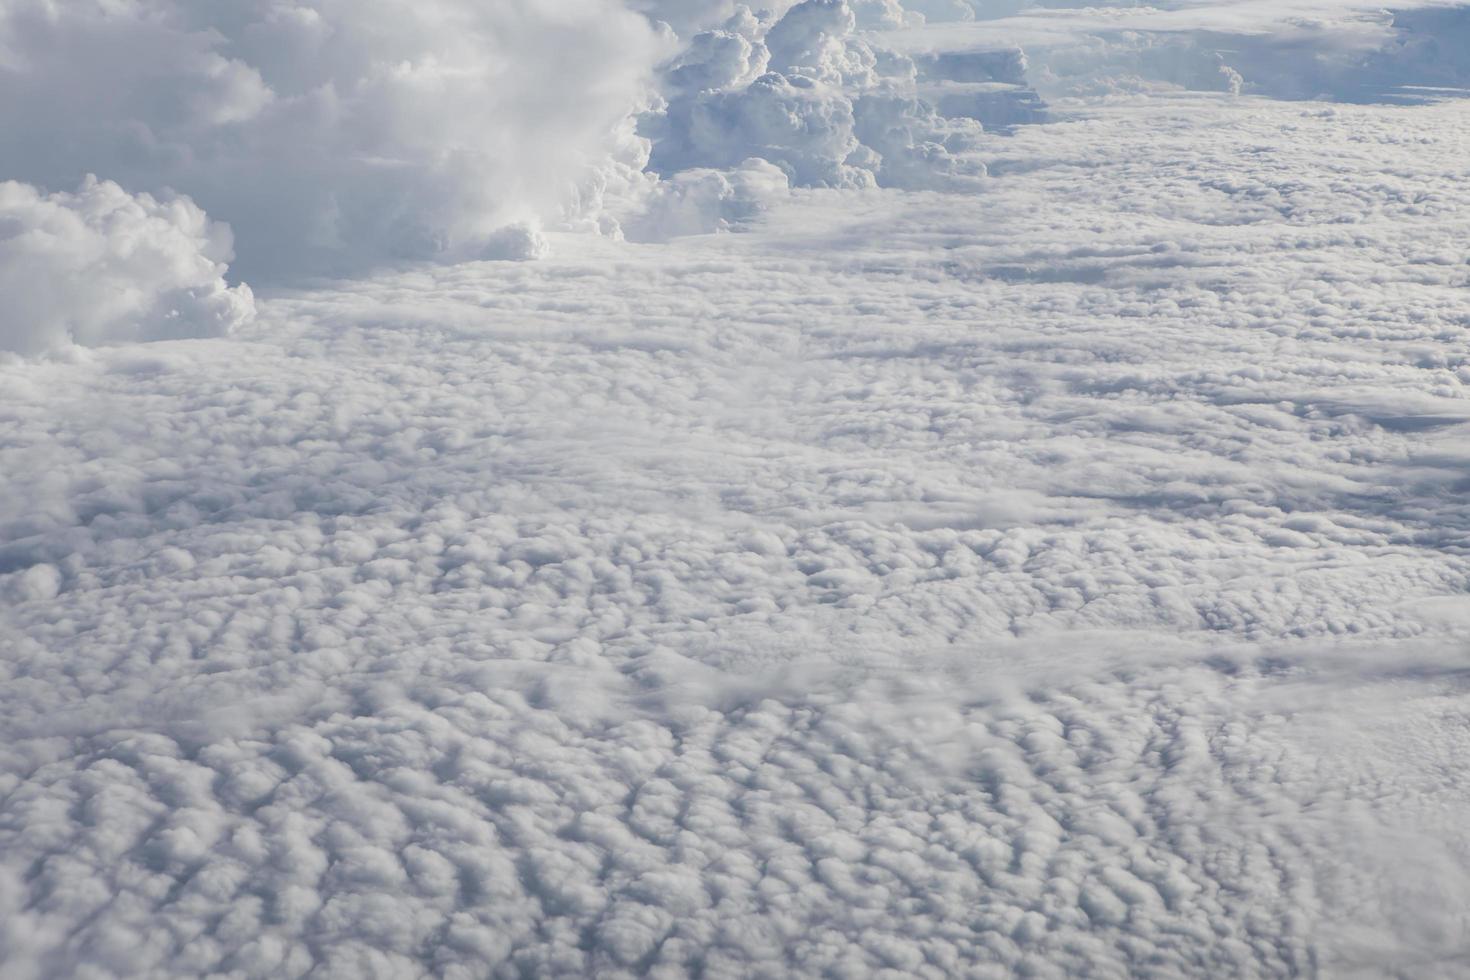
854	488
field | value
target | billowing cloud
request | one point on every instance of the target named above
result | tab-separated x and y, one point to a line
331	134
102	266
808	93
700	201
335	137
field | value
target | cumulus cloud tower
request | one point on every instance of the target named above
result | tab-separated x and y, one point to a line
332	134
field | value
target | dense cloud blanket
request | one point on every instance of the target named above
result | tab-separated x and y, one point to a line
1065	579
962	489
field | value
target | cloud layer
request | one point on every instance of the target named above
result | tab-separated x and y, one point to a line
1337	50
1067	578
1037	554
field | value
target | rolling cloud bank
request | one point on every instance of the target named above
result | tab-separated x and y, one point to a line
338	137
671	488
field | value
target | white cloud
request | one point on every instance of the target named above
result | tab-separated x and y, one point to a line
701	201
331	134
1062	573
101	266
1066	577
806	92
333	145
1331	49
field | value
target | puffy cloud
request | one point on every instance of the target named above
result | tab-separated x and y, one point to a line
701	201
802	125
813	35
806	92
718	59
102	266
331	134
332	144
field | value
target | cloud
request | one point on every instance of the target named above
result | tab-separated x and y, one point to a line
1313	49
332	135
102	266
701	201
332	145
806	91
1069	577
1053	574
